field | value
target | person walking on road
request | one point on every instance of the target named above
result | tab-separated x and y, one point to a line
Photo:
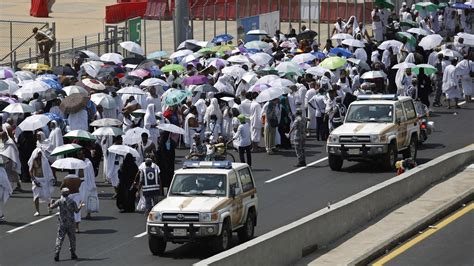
150	183
66	224
242	135
298	130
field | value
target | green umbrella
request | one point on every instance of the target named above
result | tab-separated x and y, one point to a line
206	50
267	71
427	6
333	62
428	69
66	149
173	67
410	38
408	23
80	135
385	4
222	48
175	97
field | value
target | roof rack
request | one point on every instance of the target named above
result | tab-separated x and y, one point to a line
207	164
390	97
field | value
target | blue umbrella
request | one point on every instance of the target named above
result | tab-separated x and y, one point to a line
340	52
222	38
460	6
52	84
319	55
48	76
59	119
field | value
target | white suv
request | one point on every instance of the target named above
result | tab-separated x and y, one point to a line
207	201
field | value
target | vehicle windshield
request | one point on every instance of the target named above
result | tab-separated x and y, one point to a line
199	185
364	113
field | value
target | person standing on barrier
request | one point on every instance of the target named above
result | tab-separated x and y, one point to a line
45	43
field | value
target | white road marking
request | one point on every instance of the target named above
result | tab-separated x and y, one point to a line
140	235
32	223
462	103
296	170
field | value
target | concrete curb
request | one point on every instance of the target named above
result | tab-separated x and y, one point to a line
285	245
431	218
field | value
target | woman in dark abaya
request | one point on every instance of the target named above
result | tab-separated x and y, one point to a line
284	126
126	191
26	146
166	157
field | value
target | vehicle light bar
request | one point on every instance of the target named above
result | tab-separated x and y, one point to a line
391	97
208	164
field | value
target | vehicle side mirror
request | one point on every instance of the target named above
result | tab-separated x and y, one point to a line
232	191
398	120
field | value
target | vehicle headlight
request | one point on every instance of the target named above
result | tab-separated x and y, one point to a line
208	216
154	217
378	138
333	139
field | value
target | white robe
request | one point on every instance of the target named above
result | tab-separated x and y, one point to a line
255	121
45	191
463	70
311	111
88	188
112	168
56	138
150	123
78	120
5	187
450	83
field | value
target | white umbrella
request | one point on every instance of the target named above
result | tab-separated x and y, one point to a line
69	163
353	43
131	90
250	77
34	122
419	31
269	94
8	86
92	68
303	58
25	75
134	135
90	54
257	32
234	71
154	82
391	43
403	65
451	53
181	53
316	71
94	84
80	135
373	75
341	36
112	57
289	67
108	131
106	122
261	59
239	59
65	149
258	45
431	41
171	128
132	47
18	108
75	89
27	91
281	83
123	150
104	100
267	79
191	57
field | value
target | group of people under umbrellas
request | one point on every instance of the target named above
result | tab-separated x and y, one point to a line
132	113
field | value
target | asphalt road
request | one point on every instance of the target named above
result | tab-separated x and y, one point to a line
451	245
110	237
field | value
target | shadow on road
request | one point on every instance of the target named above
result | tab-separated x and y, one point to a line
101	218
99	231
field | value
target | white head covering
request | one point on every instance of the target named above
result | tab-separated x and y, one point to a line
213	109
47	172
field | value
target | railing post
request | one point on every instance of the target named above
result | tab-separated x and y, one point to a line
85	42
59	53
327	19
289	13
310	21
161	35
53	29
11	40
144	33
225	17
299	23
279	10
204	21
337	8
29	55
72	47
215	11
99	43
319	21
363	12
14	60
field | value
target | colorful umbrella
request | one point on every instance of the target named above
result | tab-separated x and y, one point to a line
6	73
427	6
408	23
410	38
385	4
175	97
157	54
340	52
94	84
173	67
427	68
66	149
222	38
333	62
195	80
36	67
141	73
258	87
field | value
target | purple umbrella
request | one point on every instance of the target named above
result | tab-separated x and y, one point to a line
6	73
8	99
195	80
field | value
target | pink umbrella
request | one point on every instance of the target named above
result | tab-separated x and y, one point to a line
141	73
218	63
195	80
258	87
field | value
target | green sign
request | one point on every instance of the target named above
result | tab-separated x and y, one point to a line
135	30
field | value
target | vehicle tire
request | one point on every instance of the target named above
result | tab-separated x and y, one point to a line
223	241
335	162
248	230
411	150
391	157
157	245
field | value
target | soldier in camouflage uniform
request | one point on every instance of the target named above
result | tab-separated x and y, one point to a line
66	223
298	130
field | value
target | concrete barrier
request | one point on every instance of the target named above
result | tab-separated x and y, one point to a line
285	245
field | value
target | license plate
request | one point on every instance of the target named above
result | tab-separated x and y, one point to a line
353	151
179	232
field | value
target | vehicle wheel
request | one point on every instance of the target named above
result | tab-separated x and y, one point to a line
247	231
335	162
391	157
222	242
157	245
411	150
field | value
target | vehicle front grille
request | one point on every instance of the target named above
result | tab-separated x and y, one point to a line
180	217
354	139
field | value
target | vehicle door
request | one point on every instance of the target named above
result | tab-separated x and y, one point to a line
249	192
236	206
412	119
401	121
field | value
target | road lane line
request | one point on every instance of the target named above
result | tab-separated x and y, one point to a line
462	103
140	235
296	170
429	231
32	223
